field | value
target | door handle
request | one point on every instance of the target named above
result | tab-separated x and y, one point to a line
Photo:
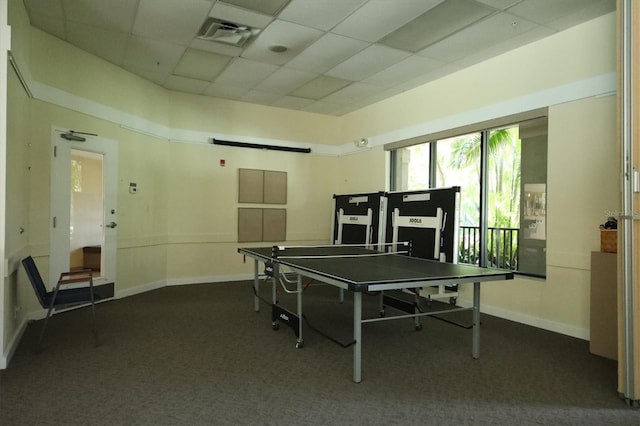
112	225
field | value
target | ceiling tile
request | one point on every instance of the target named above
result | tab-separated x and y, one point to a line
183	84
478	37
285	80
322	15
294	37
51	25
244	72
259	97
378	18
320	87
443	20
270	7
292	102
544	11
168	20
439	72
373	59
353	93
590	12
504	46
240	16
104	44
214	47
201	65
499	4
326	53
408	69
460	32
225	91
50	8
380	96
321	107
152	58
113	15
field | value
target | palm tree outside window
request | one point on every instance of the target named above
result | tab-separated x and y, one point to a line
502	176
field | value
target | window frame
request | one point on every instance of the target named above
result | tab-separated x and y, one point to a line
484	129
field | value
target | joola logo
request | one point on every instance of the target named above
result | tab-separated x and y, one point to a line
353	218
284	317
415	220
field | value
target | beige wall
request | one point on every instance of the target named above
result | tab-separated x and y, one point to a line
583	184
181	226
17	212
202	225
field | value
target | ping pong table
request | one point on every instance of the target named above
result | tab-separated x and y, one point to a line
361	270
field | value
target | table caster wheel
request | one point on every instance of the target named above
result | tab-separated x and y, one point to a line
275	326
299	345
453	300
418	327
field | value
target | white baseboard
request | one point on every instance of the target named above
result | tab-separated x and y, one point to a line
139	289
205	280
13	345
556	327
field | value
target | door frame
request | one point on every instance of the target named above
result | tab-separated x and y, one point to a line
59	244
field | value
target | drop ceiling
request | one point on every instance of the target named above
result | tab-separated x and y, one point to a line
324	56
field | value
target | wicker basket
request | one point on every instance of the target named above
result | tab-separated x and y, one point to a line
609	240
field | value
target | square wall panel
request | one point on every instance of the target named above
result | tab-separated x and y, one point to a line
275	187
250	186
249	225
274	224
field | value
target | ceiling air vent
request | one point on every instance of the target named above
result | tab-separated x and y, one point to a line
226	32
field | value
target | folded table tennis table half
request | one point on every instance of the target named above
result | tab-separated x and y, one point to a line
361	270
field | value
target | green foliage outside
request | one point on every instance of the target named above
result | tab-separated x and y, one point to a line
458	164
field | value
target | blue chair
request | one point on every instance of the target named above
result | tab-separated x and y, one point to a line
61	297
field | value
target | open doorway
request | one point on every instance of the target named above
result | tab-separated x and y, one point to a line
86	228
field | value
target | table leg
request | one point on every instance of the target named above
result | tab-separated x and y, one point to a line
475	352
256	286
274	283
274	297
357	336
300	342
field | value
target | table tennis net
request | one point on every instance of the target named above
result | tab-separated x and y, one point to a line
341	250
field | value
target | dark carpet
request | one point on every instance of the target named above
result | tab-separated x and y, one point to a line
200	355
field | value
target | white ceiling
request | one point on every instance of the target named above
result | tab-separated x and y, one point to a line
341	55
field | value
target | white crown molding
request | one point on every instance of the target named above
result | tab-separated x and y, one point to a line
598	86
602	85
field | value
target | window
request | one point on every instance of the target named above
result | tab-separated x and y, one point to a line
502	175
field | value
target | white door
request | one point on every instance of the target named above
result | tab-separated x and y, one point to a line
84	176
